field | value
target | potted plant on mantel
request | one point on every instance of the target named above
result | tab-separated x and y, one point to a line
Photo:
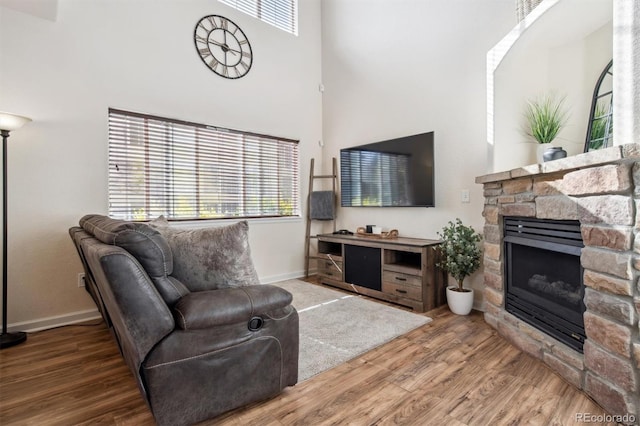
545	118
460	257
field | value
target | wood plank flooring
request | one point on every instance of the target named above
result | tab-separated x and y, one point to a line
455	371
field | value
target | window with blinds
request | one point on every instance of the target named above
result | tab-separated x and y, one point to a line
182	170
281	14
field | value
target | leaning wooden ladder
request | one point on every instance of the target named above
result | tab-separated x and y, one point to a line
314	213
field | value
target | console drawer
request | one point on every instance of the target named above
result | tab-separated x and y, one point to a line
399	278
400	290
329	269
402	285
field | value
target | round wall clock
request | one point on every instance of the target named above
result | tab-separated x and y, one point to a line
223	47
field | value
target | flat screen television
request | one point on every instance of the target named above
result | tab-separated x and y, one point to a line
392	173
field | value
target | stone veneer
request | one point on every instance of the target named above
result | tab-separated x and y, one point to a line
601	189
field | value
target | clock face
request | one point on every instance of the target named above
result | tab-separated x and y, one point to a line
223	47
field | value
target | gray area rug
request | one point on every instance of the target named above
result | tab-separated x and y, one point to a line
336	327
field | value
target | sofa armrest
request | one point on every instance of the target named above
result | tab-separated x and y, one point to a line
228	306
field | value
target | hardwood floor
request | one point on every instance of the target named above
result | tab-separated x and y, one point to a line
456	371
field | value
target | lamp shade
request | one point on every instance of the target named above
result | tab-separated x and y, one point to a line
12	121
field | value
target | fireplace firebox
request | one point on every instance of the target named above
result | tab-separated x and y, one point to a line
544	285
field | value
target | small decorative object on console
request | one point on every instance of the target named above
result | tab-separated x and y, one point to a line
362	232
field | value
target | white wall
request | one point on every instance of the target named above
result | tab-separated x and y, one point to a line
45	9
140	56
626	80
550	52
398	68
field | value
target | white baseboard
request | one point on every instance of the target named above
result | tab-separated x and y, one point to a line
56	321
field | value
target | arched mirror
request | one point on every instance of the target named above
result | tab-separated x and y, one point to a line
600	128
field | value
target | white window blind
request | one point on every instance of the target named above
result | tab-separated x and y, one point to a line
183	170
281	14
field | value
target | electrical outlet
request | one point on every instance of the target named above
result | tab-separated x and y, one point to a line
464	196
81	279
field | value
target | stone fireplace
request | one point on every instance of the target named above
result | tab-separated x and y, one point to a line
599	191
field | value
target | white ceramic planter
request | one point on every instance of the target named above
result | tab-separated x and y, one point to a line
541	148
460	303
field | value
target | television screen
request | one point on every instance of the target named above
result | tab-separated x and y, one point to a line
393	173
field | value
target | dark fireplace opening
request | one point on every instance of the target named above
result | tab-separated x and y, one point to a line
543	274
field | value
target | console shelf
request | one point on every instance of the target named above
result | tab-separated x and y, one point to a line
400	270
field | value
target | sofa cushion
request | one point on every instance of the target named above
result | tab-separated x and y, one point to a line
210	258
146	244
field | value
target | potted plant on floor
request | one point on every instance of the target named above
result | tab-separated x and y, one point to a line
545	118
460	257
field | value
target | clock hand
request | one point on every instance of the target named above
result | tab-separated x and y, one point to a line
224	47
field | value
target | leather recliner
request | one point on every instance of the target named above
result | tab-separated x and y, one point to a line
194	354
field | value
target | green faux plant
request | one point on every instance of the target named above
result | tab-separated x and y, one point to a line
545	117
459	252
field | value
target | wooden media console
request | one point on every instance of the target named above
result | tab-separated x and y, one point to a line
399	270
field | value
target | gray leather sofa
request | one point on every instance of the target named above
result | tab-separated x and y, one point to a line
195	349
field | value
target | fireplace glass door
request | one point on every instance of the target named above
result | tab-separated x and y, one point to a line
544	277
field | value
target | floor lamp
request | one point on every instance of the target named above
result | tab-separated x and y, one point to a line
8	122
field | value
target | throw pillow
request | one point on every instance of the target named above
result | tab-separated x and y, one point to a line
212	257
